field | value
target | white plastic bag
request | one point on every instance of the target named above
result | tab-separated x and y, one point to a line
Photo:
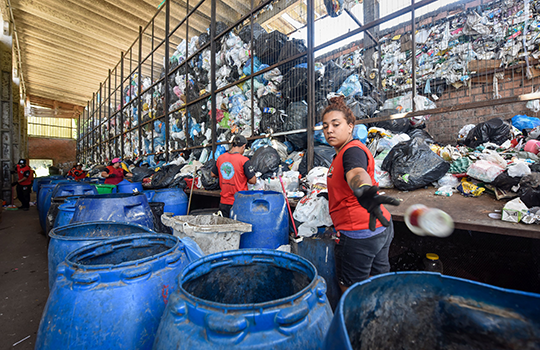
519	169
313	210
317	176
448	180
484	170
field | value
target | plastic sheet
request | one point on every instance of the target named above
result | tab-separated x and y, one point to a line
413	165
484	170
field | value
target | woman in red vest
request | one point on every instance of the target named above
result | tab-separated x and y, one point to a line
114	173
364	226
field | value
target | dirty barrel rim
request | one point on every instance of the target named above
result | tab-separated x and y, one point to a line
285	260
61	231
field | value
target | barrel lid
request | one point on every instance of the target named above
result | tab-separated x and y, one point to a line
432	256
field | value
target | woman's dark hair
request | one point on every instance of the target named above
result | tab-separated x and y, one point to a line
338	104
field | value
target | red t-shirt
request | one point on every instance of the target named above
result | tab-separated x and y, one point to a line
118	178
23	172
347	214
233	170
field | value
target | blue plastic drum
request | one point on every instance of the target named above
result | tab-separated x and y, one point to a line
267	213
122	207
426	310
175	199
65	213
129	187
111	295
65	239
246	299
73	189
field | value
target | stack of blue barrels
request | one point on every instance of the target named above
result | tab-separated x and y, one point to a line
115	283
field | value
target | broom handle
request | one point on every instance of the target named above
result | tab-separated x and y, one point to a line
190	194
289	207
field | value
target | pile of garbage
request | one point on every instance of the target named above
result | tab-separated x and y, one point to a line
486	37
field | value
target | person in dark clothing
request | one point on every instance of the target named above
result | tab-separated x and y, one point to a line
234	172
24	184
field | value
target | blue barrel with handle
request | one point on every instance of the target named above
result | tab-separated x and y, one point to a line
65	212
49	185
111	295
427	310
267	213
125	186
246	299
175	199
123	207
65	239
73	189
44	201
44	180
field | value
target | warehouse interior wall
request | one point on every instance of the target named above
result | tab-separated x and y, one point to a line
61	151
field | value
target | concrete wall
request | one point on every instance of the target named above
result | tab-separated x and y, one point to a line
61	151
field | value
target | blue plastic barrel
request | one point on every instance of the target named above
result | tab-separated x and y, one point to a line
65	239
65	213
426	310
129	187
246	299
267	213
122	207
319	250
175	200
111	295
73	189
44	201
44	180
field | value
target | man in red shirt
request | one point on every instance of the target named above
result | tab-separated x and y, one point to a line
234	172
114	174
77	173
24	184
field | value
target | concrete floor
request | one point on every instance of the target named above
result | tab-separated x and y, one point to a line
23	278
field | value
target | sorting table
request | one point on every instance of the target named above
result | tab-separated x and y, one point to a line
468	213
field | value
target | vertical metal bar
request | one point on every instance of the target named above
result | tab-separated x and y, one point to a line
379	64
109	117
252	55
78	156
413	57
213	75
167	68
186	126
311	80
122	105
92	126
139	99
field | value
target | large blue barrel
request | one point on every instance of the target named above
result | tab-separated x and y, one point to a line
175	200
111	295
123	207
65	239
65	213
44	201
246	299
319	250
426	310
129	187
267	213
73	189
44	180
41	183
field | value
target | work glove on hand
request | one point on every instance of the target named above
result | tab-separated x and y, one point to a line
14	183
368	198
112	175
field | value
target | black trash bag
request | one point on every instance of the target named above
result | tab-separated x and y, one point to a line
268	46
292	48
203	39
297	119
412	164
334	75
54	170
98	169
157	211
165	176
505	182
220	27
322	156
139	173
266	161
530	196
366	105
271	121
294	84
397	126
421	134
245	33
494	130
271	101
209	183
180	182
535	168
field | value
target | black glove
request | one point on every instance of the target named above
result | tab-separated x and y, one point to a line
112	175
369	199
13	172
14	183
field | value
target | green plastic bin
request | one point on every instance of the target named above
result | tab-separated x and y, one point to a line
105	189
